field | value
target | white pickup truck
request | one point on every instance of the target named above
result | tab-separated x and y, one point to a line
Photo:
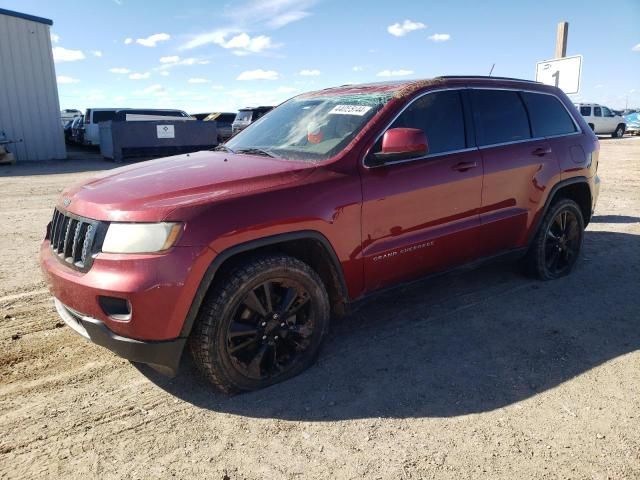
602	120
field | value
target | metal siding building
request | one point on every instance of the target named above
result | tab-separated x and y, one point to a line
29	105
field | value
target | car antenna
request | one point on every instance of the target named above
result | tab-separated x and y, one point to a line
492	67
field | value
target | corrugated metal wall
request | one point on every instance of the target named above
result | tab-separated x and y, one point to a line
29	105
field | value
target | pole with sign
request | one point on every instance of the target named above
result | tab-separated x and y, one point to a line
563	73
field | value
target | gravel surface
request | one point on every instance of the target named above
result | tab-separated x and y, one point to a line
478	374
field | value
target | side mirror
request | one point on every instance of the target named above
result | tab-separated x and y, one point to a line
400	144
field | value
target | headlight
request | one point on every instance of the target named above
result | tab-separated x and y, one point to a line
140	237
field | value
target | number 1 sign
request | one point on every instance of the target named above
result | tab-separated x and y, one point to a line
563	73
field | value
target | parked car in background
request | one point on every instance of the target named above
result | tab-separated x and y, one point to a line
602	120
92	117
246	116
244	254
68	114
67	131
224	122
632	121
78	130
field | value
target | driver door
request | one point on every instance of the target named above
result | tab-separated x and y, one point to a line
421	215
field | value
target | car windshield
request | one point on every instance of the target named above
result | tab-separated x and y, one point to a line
310	128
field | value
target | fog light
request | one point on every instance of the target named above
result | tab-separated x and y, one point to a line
116	308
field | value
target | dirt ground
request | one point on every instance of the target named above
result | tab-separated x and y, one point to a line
479	374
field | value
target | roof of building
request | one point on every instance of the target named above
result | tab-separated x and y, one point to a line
25	16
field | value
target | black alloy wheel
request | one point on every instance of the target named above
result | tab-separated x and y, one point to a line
270	329
262	322
562	244
558	241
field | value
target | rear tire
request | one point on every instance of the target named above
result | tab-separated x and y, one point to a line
262	324
619	132
557	244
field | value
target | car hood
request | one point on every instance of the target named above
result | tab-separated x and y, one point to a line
149	191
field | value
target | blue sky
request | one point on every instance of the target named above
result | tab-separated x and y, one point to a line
204	56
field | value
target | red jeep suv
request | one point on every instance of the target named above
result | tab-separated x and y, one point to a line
244	253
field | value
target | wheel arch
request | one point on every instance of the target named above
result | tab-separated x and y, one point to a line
308	246
576	189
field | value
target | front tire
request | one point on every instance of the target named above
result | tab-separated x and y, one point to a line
556	247
619	131
262	324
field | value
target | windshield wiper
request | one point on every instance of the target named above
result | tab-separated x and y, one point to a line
222	148
255	151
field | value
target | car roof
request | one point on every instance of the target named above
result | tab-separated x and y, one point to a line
408	86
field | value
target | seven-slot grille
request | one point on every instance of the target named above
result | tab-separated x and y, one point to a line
72	239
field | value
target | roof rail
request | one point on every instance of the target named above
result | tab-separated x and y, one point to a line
486	77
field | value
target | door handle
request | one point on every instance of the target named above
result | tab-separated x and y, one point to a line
541	151
464	166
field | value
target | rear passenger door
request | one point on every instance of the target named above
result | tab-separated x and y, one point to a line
517	167
598	121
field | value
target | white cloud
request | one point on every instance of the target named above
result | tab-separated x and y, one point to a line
309	73
394	73
357	68
241	44
171	62
439	37
128	40
271	13
171	59
152	40
164	73
119	70
61	54
258	74
198	80
152	88
139	76
156	90
55	38
62	79
217	87
401	29
636	48
287	18
96	53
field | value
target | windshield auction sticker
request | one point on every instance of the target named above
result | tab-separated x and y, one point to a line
359	110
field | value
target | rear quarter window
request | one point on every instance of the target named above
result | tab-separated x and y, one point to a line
548	116
585	111
499	116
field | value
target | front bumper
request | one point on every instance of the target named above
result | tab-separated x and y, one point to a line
163	356
159	288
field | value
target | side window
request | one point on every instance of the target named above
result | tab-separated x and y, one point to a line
440	116
606	112
548	116
499	116
103	115
597	112
585	111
